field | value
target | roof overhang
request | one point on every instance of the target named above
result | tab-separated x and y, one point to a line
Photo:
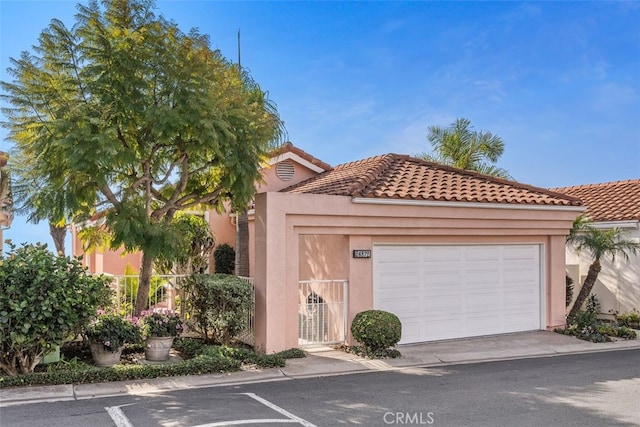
405	202
298	159
629	224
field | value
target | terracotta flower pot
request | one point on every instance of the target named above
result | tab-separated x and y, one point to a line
157	348
102	357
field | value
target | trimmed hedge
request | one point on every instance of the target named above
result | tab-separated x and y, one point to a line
376	329
197	366
205	359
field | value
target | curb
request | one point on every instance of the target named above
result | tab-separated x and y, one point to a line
300	370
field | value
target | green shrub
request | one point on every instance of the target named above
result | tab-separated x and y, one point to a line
45	300
292	353
113	332
376	329
568	291
360	350
189	347
220	303
224	257
199	365
588	316
630	318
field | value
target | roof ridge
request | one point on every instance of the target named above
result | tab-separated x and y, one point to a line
373	173
289	147
599	184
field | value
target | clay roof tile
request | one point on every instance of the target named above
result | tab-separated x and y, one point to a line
394	176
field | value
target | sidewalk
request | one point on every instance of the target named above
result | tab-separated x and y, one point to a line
326	361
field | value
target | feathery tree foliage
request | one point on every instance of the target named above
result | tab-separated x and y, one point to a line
39	201
599	243
461	147
124	113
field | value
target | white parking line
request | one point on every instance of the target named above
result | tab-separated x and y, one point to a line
118	416
121	420
244	422
279	409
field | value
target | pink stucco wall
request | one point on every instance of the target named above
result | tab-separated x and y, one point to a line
288	227
109	261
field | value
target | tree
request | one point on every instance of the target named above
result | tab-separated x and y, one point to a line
125	114
599	243
461	147
6	199
242	245
195	245
39	201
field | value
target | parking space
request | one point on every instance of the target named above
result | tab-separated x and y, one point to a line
216	410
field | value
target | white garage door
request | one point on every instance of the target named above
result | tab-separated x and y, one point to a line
444	292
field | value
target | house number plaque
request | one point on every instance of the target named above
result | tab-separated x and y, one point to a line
362	253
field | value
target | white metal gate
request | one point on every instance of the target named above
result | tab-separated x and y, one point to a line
322	306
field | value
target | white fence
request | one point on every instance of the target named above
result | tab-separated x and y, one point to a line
165	292
322	306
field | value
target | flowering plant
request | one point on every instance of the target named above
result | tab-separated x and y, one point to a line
163	323
113	331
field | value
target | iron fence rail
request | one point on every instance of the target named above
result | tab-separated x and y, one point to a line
322	305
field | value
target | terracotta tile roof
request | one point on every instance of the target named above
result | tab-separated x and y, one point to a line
610	201
394	176
289	147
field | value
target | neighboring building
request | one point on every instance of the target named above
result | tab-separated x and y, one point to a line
611	204
289	165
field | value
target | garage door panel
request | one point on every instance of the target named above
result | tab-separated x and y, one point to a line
399	254
482	253
443	279
441	254
444	304
455	291
528	253
400	281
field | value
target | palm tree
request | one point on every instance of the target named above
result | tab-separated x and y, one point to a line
461	147
600	243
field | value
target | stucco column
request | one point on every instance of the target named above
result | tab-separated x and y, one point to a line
273	295
360	280
556	282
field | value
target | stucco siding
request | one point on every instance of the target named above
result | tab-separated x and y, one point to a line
618	284
292	216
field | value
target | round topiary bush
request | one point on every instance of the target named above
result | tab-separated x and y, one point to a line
376	329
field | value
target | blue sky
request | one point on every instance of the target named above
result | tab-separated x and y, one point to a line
558	81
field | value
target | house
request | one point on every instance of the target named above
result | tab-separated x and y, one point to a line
611	204
452	253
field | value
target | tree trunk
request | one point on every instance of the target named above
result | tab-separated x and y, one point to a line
58	234
587	287
242	245
144	284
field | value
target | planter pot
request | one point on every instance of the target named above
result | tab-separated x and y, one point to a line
52	357
102	357
157	348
